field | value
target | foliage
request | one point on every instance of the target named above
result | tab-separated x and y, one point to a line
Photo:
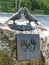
7	5
10	5
44	5
37	5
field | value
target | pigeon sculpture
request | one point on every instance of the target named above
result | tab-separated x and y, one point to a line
15	16
28	15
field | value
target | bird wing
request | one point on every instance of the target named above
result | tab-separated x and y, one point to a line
17	14
13	15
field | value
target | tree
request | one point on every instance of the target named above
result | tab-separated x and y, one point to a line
44	5
34	4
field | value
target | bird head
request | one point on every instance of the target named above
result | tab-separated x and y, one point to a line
25	10
20	11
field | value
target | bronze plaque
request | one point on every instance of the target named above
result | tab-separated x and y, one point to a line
28	46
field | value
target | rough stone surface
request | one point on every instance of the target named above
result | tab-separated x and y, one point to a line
44	46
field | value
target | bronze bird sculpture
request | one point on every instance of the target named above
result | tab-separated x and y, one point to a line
28	15
15	16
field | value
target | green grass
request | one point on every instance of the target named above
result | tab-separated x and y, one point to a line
37	12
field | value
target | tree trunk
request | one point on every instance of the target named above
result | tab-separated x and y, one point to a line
17	5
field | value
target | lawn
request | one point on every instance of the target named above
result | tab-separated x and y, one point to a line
38	12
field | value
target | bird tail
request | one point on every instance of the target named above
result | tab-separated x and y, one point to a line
7	21
36	22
